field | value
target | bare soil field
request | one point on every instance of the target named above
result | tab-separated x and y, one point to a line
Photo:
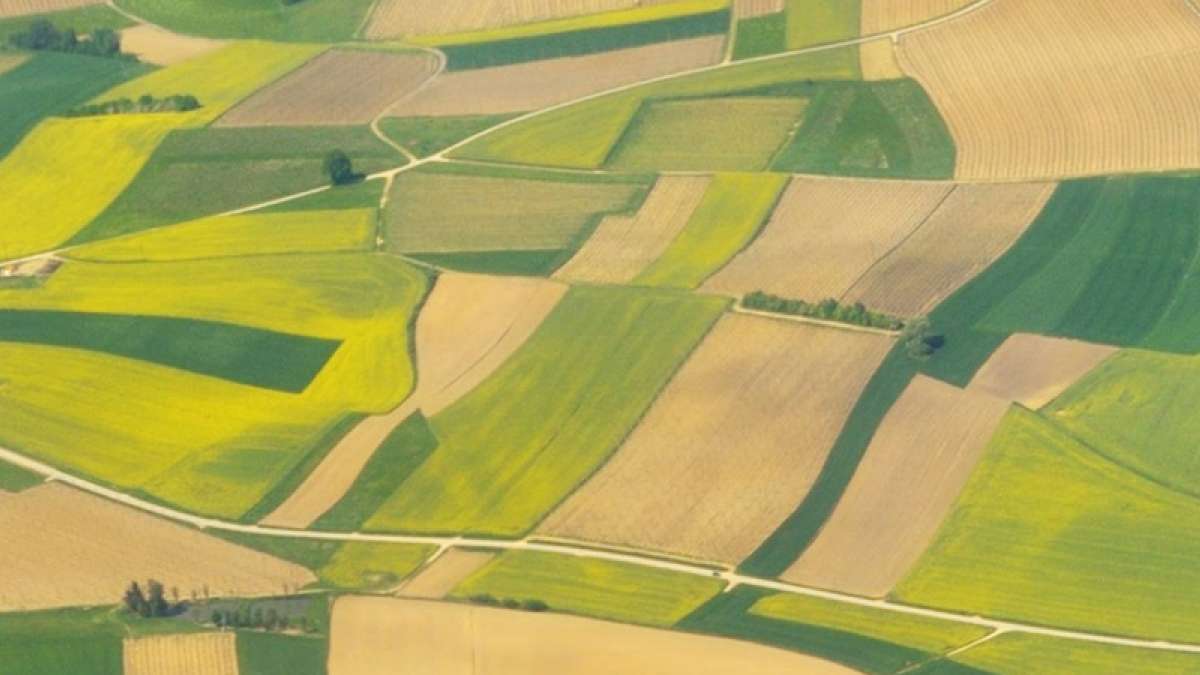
57	527
444	573
529	86
878	60
381	636
825	234
1033	89
878	16
401	18
23	7
469	325
1033	369
758	404
748	9
338	87
163	47
914	469
624	245
189	654
967	233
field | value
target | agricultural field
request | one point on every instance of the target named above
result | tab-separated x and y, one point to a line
442	575
159	46
22	7
309	21
1035	654
427	135
63	642
372	566
394	18
879	16
214	653
1033	369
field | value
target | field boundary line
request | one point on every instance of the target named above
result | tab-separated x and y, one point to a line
822	323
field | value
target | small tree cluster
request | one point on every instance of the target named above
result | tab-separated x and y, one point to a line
828	309
152	603
45	36
920	341
340	169
144	104
531	605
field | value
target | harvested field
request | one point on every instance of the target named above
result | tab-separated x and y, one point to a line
748	9
338	87
878	60
377	636
23	7
444	573
825	234
915	467
59	526
187	654
625	245
401	18
162	47
468	327
760	403
530	86
1033	369
1022	102
879	16
973	227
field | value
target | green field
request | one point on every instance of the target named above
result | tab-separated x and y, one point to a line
62	642
311	553
83	19
816	22
274	654
514	447
361	195
308	21
372	566
14	478
511	263
1049	532
1041	655
734	209
591	587
729	133
760	35
425	136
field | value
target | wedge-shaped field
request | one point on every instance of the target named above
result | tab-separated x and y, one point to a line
251	234
361	565
1041	655
1049	532
623	246
540	84
879	16
153	44
426	135
598	588
59	527
468	326
825	234
730	215
442	575
759	403
400	18
188	654
970	229
337	87
1033	369
457	639
311	20
724	134
1023	103
554	412
22	7
916	466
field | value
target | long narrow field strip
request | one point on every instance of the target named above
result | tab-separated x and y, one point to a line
1033	369
402	18
59	527
337	87
152	44
325	21
23	7
825	234
468	326
916	466
974	225
443	574
879	16
596	588
624	245
375	636
760	403
1022	102
733	210
1041	655
530	86
188	654
504	460
1049	532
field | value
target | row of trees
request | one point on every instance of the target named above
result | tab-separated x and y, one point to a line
144	104
45	36
151	603
270	620
828	309
509	603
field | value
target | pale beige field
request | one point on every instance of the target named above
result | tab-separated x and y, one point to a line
21	7
748	9
190	654
383	636
337	87
58	527
878	16
400	18
163	47
1033	369
530	86
624	245
825	234
1034	89
967	233
444	573
469	325
731	446
914	469
878	60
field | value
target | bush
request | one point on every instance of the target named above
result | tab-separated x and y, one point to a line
534	606
828	309
340	170
145	104
44	36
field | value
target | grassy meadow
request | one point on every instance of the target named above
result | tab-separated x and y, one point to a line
275	654
1041	655
760	35
309	21
361	565
425	136
816	22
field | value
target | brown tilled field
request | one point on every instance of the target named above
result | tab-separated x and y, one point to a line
914	469
337	87
1034	89
529	86
825	234
879	16
23	7
1033	369
469	325
401	18
382	636
162	47
444	573
969	231
624	245
192	654
759	405
57	527
748	9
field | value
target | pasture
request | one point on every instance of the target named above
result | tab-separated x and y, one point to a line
760	35
427	135
274	654
309	21
1033	369
815	22
1040	655
186	654
66	642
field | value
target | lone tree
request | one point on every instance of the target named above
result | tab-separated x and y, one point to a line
339	168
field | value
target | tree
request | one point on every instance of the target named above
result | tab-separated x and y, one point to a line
217	618
157	602
105	42
339	168
135	600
